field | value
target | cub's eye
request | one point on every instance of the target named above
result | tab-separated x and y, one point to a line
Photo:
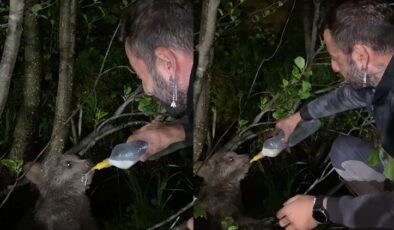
68	164
230	159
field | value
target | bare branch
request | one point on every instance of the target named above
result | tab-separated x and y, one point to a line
201	90
272	55
207	34
66	75
182	210
11	48
24	128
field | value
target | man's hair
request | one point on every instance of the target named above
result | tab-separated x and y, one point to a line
149	24
368	22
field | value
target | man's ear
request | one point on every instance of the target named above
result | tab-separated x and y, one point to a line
361	55
34	173
166	63
128	50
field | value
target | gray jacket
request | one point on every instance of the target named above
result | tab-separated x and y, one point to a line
372	210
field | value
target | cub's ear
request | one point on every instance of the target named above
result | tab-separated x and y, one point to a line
34	173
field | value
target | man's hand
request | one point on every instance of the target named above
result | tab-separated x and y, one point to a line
296	213
288	124
159	136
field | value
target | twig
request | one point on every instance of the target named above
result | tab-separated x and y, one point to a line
128	101
273	54
103	133
182	210
322	177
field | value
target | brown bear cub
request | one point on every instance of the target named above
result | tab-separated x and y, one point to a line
62	203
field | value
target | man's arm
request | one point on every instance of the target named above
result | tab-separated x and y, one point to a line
365	211
340	100
159	136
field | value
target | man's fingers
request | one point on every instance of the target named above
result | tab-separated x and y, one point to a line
281	213
144	157
284	222
285	138
289	201
130	139
290	227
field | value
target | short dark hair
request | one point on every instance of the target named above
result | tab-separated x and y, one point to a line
368	22
149	24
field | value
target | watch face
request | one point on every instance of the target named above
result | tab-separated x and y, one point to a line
320	216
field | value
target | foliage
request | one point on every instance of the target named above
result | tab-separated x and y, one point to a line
228	223
148	106
13	165
199	211
389	168
294	89
374	156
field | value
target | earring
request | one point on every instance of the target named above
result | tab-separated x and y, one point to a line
365	78
174	93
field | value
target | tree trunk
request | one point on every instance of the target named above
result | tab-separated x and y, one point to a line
311	28
207	34
11	48
27	115
306	15
64	90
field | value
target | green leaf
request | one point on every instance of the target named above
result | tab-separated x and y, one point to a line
389	168
127	91
280	3
285	83
263	103
296	72
228	223
35	8
148	106
199	211
13	165
305	91
242	123
300	62
373	159
100	114
308	73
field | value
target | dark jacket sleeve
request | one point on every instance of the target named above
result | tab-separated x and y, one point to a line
188	127
365	211
340	100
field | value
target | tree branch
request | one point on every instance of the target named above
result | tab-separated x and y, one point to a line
11	48
24	128
201	90
66	75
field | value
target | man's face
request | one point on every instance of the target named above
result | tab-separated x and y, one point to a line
154	84
344	64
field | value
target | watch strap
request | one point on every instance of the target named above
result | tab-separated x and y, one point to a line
320	214
318	202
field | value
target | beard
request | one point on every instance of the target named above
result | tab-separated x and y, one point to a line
355	77
163	92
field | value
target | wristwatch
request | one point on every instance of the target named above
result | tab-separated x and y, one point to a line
319	213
